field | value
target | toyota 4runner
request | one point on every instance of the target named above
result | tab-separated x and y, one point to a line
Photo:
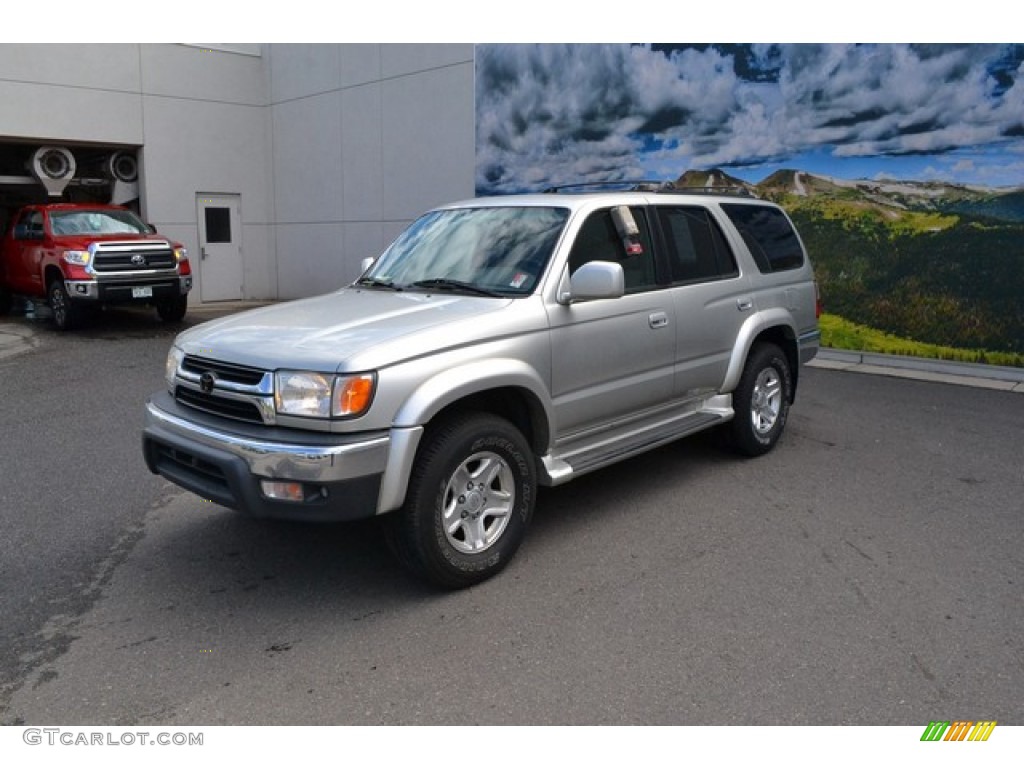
497	345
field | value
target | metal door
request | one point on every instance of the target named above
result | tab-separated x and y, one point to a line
220	247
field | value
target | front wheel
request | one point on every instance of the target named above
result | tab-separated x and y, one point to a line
761	401
173	310
469	501
66	314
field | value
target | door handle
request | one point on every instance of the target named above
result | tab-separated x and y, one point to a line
202	252
658	320
744	304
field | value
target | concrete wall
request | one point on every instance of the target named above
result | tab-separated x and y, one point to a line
332	149
365	137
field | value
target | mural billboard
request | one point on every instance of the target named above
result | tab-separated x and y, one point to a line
902	165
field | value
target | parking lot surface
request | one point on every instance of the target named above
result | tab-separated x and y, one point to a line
868	572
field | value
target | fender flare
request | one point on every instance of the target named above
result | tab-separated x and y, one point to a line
454	384
754	326
437	393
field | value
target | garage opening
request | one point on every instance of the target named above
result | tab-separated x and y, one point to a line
49	172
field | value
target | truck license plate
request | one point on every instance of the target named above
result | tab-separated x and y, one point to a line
145	292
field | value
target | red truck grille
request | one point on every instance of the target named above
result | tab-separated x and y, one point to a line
133	257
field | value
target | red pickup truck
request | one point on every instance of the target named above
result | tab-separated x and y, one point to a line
78	256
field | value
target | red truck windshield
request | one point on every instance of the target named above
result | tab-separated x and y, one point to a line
96	222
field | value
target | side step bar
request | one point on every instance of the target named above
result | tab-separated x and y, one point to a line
582	456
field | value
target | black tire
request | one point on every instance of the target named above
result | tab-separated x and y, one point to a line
66	314
761	401
173	310
6	301
492	459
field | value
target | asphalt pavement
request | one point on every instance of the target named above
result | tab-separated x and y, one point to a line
866	572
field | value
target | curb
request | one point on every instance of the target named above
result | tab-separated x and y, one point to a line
921	369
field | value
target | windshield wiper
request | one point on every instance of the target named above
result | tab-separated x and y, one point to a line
376	282
447	284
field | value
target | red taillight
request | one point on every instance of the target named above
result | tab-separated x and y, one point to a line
818	306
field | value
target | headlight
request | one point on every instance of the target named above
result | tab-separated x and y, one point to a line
180	254
320	395
298	393
174	358
77	257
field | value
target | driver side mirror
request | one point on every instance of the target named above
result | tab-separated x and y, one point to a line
595	280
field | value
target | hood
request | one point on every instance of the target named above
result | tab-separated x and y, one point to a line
83	241
354	329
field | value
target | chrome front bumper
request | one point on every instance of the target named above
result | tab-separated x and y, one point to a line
226	464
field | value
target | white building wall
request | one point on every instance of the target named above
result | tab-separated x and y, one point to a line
332	149
365	137
63	92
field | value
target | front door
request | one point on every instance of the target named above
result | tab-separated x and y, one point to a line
220	247
612	359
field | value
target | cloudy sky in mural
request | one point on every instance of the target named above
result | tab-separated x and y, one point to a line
549	114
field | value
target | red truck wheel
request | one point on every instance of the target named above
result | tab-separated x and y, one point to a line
66	316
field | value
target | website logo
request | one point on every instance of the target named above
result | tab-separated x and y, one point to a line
958	730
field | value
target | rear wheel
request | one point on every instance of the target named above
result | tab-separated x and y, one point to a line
66	314
173	310
761	401
469	502
5	301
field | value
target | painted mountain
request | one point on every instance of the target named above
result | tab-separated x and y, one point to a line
932	261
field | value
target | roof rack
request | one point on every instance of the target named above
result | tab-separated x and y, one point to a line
657	186
733	190
631	185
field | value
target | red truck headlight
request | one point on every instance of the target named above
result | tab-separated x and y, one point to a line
81	258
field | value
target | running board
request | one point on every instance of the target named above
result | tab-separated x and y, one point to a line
581	457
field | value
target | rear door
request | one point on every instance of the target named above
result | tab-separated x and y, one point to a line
23	252
710	297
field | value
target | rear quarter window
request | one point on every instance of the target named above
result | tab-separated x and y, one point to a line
768	235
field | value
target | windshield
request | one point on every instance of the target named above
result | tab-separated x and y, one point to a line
483	250
97	222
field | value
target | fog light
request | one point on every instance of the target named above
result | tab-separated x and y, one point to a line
283	491
81	289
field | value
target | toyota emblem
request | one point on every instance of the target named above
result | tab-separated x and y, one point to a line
207	382
138	258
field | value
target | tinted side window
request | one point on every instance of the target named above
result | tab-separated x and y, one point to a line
598	240
768	234
696	247
29	226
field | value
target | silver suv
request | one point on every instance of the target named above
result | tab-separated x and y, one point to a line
497	345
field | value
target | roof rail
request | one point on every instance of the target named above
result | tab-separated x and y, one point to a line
657	186
733	190
631	185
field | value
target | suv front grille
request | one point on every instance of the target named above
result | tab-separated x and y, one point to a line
237	374
241	410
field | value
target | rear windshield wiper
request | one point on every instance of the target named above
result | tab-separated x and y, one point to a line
447	284
376	282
